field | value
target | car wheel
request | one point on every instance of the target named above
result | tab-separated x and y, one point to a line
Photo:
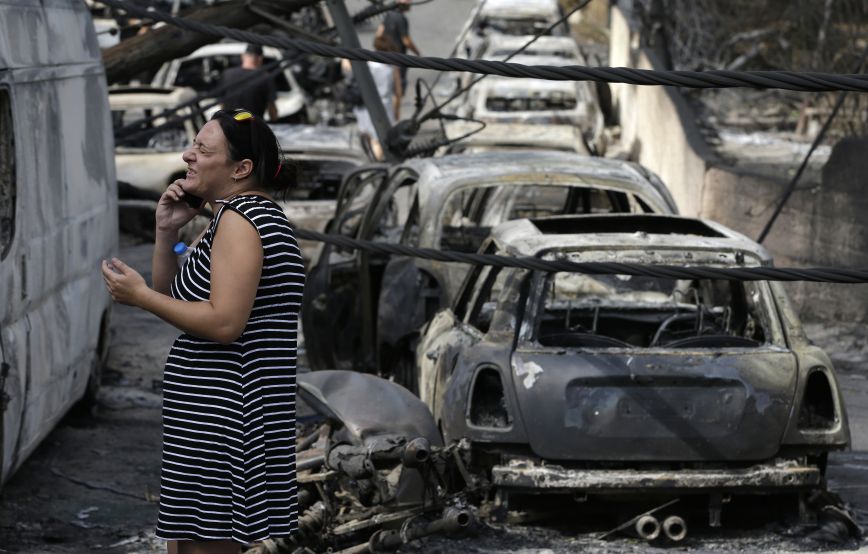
87	404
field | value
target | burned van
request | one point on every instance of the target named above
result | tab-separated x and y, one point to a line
58	217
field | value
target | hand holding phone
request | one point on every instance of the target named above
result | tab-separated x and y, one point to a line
193	201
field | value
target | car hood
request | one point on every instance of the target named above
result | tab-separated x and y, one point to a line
713	405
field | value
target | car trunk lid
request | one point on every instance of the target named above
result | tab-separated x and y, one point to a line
725	404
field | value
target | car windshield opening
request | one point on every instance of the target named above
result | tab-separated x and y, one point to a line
169	135
603	311
515	26
470	213
317	179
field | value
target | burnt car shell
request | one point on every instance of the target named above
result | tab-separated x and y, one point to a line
369	300
319	157
733	401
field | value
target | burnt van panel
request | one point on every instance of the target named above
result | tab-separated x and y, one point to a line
58	216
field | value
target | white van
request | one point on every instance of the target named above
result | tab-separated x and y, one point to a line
58	218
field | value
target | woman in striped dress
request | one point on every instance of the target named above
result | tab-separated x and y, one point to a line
228	473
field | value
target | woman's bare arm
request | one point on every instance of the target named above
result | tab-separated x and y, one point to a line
236	266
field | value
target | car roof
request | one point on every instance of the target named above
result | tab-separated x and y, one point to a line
549	235
230	48
317	138
519	8
504	84
554	136
127	97
438	176
545	42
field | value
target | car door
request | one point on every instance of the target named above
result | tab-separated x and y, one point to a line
330	315
384	221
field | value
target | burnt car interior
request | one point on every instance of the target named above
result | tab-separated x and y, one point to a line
470	213
317	179
604	311
169	138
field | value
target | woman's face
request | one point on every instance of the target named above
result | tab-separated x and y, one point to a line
209	168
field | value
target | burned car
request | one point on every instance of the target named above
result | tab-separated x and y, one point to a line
534	101
593	385
152	160
508	17
319	158
365	308
563	48
512	136
203	69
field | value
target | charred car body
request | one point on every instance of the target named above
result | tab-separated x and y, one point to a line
373	305
509	17
564	48
318	158
153	161
371	475
513	136
594	385
203	69
533	101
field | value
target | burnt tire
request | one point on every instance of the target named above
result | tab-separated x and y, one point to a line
87	404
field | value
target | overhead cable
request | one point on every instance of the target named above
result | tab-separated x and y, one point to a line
788	80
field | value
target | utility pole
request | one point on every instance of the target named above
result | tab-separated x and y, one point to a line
362	74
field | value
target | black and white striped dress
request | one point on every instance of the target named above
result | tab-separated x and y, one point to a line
229	410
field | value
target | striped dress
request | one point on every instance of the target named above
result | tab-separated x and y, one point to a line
228	467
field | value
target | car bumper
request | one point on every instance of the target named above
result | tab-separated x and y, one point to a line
778	477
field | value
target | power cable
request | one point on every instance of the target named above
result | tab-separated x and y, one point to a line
791	187
811	274
789	80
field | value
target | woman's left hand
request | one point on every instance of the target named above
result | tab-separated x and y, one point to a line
124	283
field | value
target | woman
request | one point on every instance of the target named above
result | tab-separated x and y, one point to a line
387	79
228	473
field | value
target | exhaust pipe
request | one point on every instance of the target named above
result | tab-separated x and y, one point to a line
675	528
647	527
416	453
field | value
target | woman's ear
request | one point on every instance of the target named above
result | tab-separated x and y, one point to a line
243	169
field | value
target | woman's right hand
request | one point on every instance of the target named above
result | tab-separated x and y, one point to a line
172	211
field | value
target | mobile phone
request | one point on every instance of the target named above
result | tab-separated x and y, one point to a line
192	200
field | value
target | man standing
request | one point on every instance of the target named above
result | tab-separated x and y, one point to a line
397	28
242	92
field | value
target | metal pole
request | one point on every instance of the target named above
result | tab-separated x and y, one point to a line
362	74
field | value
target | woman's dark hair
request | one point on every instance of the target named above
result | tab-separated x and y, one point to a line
251	138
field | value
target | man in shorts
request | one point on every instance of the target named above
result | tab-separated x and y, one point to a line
397	28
